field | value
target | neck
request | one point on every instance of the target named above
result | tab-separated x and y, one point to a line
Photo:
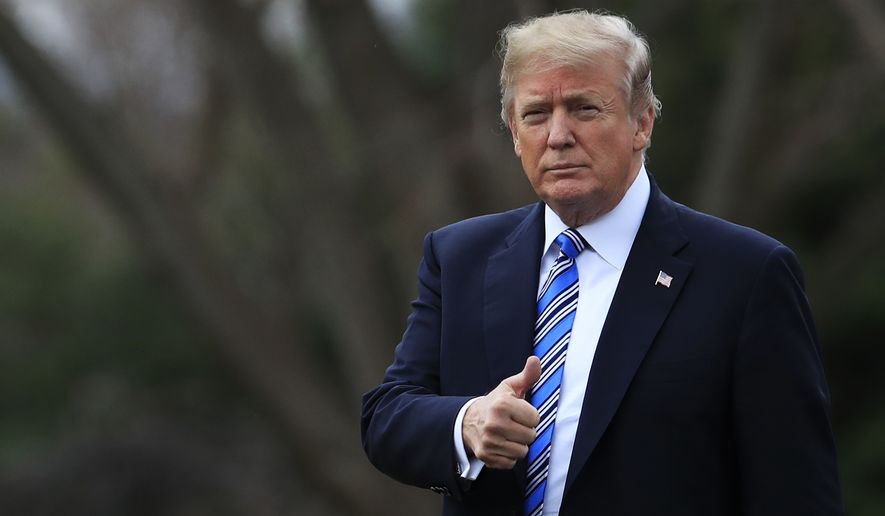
573	218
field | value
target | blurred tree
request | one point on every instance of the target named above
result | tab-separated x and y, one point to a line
282	185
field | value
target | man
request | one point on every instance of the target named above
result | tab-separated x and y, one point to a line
605	351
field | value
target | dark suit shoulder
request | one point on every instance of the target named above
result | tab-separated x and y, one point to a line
480	235
724	237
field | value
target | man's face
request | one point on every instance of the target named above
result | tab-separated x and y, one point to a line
579	146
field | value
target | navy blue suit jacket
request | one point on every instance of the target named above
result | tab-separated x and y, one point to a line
706	398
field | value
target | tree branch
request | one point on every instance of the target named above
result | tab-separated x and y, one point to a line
734	117
369	76
869	20
258	347
201	169
312	188
848	96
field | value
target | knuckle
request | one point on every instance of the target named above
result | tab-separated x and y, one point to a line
498	406
494	426
536	418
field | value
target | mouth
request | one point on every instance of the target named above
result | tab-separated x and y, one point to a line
565	168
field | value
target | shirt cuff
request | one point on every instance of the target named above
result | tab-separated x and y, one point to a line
468	469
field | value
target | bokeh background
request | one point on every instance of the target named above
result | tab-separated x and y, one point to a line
211	214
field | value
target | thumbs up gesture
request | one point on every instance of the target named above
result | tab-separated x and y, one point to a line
498	427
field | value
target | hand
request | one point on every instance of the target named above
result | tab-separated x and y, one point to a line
498	427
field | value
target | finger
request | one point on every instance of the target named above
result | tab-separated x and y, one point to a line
499	462
509	449
519	434
524	414
496	442
523	381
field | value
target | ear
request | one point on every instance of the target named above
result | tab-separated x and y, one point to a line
644	124
516	147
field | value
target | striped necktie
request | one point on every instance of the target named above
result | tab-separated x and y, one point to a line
557	304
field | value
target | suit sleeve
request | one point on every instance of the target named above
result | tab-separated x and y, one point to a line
406	423
785	445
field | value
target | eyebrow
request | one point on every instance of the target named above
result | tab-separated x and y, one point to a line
534	103
534	100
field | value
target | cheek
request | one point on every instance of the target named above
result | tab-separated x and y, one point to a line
528	153
609	146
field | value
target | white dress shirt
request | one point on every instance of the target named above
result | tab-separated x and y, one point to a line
599	269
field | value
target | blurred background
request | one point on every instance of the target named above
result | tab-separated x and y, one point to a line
211	214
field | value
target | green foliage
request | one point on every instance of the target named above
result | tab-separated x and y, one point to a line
90	335
863	470
430	46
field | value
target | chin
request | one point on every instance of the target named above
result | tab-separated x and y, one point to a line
571	195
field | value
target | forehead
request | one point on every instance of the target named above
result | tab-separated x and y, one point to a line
604	78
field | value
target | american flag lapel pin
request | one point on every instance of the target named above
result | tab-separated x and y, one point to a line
663	279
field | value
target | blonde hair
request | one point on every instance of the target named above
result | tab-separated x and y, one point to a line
578	39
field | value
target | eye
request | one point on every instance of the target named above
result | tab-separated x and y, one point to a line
587	109
533	115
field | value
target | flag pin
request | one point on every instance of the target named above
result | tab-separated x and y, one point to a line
663	279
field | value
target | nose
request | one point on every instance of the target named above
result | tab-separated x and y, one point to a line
560	134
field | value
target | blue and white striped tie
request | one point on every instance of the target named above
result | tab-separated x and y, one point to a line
557	304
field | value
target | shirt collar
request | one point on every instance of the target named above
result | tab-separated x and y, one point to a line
610	235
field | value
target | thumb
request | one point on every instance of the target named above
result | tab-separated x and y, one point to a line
523	381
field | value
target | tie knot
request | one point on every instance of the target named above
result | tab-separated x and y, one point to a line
571	243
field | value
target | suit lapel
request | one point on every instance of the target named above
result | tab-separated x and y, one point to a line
511	289
511	286
637	312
